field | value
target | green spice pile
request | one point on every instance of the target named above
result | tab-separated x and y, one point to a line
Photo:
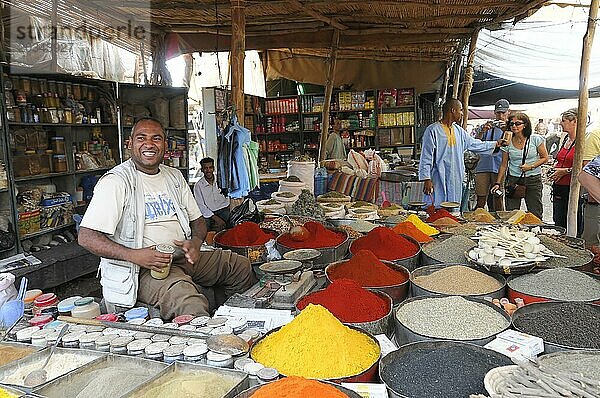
306	205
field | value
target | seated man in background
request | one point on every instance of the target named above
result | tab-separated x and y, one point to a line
212	203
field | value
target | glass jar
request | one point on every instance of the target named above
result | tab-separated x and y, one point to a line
60	166
58	145
76	91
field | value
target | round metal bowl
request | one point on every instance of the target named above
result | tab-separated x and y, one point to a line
366	376
528	298
549	346
397	292
405	335
328	254
544	359
519	269
430	269
382	325
411	262
348	392
399	354
428	260
256	254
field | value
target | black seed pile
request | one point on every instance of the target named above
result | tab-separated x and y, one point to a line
571	324
446	370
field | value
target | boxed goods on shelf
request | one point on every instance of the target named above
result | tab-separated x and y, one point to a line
56	215
29	222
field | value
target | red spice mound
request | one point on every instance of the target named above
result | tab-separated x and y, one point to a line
318	237
408	228
348	302
366	269
385	244
441	213
245	234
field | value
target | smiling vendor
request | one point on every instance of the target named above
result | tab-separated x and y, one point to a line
142	203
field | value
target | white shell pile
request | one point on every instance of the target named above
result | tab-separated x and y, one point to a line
506	246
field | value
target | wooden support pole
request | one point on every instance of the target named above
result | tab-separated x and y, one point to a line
238	53
328	92
444	92
466	93
54	38
588	40
456	79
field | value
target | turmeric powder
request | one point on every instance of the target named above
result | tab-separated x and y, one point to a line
429	230
529	219
297	387
316	345
7	394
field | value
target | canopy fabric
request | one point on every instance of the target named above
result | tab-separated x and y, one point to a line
362	74
542	50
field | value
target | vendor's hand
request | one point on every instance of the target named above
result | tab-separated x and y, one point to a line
219	223
558	174
150	258
191	248
526	167
494	188
428	187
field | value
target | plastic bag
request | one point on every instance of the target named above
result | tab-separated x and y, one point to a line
247	211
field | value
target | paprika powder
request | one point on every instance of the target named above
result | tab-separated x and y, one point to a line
441	213
385	244
297	387
408	228
245	234
317	237
366	269
348	302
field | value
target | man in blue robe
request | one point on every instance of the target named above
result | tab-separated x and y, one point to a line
441	166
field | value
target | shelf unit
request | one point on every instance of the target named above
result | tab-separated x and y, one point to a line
59	133
167	104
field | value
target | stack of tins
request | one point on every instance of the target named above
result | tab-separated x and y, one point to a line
354	305
370	272
246	239
388	245
316	345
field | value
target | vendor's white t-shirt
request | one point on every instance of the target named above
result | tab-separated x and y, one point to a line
162	226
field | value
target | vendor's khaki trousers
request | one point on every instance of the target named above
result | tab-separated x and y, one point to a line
178	294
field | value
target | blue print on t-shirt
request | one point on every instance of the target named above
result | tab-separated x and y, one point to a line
159	205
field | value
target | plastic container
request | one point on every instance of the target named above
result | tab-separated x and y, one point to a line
7	288
66	306
136	313
38	338
40	320
108	317
154	322
71	340
166	249
24	335
47	300
183	319
86	307
88	340
266	375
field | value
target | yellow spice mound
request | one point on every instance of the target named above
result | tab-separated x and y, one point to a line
427	229
316	345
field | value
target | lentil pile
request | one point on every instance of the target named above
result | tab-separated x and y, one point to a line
318	346
190	385
441	370
459	280
574	257
297	387
348	302
571	324
449	250
452	318
585	363
562	284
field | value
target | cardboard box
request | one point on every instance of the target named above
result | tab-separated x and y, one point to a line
516	344
29	222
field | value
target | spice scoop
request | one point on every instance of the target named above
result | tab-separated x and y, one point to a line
39	376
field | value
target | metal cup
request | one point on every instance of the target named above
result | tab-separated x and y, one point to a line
168	249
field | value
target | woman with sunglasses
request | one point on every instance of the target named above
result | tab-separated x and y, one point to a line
522	158
561	177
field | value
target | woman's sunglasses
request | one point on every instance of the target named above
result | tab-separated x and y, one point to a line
516	124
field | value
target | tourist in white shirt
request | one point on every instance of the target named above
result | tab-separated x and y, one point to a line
212	203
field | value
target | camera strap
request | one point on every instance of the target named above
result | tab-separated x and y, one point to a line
525	150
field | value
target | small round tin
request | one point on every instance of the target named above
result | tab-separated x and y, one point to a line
173	353
200	320
182	319
219	360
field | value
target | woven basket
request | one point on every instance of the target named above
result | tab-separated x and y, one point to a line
493	378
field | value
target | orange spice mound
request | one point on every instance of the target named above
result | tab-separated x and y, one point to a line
408	228
297	387
530	218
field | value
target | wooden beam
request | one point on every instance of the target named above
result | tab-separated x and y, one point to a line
238	53
469	78
444	92
307	9
456	79
588	41
328	93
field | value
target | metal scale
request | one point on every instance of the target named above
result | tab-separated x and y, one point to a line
285	281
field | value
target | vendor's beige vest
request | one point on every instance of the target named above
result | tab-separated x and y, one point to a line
120	278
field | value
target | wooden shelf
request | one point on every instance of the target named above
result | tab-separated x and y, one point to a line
282	114
353	110
92	170
3	189
397	107
397	146
42	176
45	231
395	127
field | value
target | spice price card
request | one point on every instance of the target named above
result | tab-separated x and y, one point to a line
368	390
265	319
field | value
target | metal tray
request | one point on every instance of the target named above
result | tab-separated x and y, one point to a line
33	348
78	379
177	366
40	356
